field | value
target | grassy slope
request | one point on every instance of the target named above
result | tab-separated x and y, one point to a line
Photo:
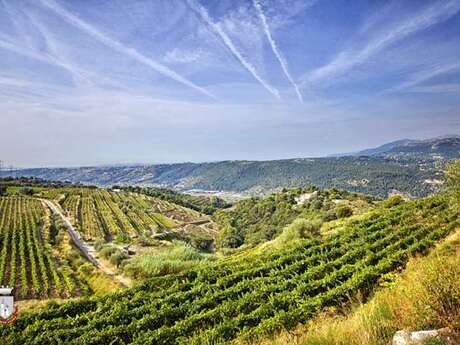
425	296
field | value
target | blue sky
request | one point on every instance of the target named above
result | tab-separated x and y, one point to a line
115	81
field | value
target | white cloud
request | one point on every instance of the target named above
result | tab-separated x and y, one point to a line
227	41
120	47
178	55
279	56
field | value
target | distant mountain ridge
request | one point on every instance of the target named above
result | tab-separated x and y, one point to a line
414	167
446	146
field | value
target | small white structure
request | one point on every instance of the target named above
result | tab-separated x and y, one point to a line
6	302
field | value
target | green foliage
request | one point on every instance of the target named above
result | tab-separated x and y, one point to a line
26	191
122	238
343	211
252	294
170	260
453	176
3	189
300	228
203	244
26	260
393	201
230	237
382	173
256	220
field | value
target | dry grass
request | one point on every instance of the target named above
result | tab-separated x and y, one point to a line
425	296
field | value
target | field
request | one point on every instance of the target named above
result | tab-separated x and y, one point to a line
26	259
254	293
102	214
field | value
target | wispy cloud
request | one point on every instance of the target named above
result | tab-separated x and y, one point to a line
217	29
425	75
279	56
177	55
120	47
438	88
350	58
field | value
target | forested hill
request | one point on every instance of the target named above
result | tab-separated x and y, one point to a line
371	175
444	147
408	166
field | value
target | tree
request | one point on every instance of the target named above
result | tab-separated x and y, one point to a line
26	191
453	176
2	189
230	237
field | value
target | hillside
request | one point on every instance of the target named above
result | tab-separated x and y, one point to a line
257	220
423	297
60	241
371	175
447	147
413	167
253	293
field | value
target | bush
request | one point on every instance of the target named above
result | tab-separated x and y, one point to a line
300	228
117	257
107	251
203	244
26	191
343	211
168	261
85	269
393	201
329	216
230	237
122	238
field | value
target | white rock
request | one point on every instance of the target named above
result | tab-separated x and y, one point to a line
413	338
421	336
401	338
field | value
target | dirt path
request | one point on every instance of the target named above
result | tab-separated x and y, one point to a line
87	250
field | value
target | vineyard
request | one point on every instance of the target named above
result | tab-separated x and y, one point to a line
102	214
26	263
251	294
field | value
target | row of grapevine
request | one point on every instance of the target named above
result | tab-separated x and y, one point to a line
98	213
250	295
25	263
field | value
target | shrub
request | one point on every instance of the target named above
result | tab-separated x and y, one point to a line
117	257
168	261
343	211
230	237
300	228
393	201
107	250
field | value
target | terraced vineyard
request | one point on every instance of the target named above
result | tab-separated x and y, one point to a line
98	213
251	294
25	261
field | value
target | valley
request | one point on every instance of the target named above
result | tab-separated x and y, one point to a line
403	167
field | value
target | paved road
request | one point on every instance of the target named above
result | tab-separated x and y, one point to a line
71	230
85	249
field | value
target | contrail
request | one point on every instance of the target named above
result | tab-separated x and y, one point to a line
216	28
119	47
275	49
